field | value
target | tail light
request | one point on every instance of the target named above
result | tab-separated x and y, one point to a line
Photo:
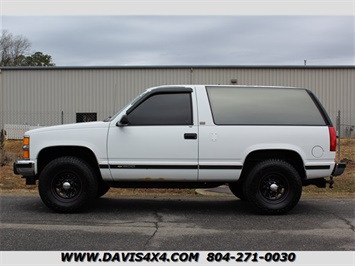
333	139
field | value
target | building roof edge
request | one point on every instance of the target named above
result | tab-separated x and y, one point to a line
182	67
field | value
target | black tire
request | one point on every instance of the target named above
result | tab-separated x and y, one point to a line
102	189
273	187
237	189
66	184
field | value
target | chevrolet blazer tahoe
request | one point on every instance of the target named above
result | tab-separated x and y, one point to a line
264	142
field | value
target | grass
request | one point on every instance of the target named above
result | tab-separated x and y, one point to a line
10	183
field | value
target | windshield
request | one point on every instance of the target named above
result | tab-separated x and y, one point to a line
127	106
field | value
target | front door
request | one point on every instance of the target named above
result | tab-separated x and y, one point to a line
159	140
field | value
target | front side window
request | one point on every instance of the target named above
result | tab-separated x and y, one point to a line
163	109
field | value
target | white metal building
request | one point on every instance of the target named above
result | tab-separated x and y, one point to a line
46	96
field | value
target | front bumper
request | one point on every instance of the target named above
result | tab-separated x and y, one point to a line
25	168
339	169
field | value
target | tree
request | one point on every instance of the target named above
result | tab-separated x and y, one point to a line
13	50
37	59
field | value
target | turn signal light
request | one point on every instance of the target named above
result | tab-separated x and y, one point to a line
26	148
26	141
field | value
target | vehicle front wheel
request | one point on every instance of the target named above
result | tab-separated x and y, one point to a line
66	184
237	189
273	187
103	188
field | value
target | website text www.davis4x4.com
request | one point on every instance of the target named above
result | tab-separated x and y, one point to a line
166	257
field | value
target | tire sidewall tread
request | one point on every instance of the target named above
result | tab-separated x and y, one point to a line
82	170
237	189
252	183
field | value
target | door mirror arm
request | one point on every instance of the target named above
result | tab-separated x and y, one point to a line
123	121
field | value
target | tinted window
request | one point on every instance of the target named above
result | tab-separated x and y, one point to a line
263	106
163	109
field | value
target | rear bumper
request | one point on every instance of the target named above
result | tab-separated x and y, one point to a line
25	168
339	169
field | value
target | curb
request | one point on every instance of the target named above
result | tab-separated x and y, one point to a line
216	191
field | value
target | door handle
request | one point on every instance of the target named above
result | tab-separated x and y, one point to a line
190	136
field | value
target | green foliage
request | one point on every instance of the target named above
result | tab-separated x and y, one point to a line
37	59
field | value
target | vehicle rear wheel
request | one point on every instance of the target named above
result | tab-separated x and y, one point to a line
273	187
66	184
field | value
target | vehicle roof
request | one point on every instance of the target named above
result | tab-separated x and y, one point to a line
197	86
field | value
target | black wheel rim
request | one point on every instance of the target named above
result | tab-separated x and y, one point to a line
66	186
274	187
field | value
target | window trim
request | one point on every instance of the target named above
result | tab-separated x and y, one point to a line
321	108
158	91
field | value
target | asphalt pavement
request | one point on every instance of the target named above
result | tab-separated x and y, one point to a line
176	223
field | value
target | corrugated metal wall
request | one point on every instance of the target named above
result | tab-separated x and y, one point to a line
48	96
335	87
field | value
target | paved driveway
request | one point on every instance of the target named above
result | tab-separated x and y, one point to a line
176	223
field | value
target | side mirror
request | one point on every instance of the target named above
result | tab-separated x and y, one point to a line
123	122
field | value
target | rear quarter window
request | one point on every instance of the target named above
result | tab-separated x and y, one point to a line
263	106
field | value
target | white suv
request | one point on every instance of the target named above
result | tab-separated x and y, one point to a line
265	142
